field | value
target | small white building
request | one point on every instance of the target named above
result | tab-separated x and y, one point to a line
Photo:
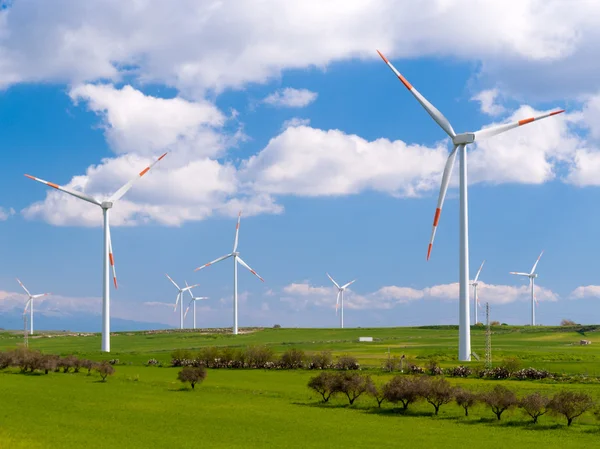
585	342
365	338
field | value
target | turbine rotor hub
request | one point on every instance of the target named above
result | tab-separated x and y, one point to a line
463	139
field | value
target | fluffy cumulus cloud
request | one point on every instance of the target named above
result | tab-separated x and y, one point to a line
299	296
198	45
586	291
488	100
291	98
55	305
5	214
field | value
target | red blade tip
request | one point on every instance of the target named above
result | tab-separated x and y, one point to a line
383	57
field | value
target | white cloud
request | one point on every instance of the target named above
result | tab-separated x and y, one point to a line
295	122
291	98
488	102
587	291
197	45
5	214
51	304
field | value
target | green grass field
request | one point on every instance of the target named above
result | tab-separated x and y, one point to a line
147	407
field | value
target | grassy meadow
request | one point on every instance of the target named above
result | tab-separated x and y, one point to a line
145	406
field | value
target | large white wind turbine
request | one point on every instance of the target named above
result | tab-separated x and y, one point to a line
475	284
193	301
339	302
459	141
179	299
30	304
236	259
532	275
105	205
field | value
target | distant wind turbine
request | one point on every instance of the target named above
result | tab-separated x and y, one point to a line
236	259
339	302
459	145
475	284
193	301
179	299
531	277
107	247
30	304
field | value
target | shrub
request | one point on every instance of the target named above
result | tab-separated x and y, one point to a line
459	371
321	360
499	399
352	385
181	357
152	362
391	364
293	358
531	373
324	384
209	356
114	361
566	322
5	360
570	404
437	392
499	372
403	389
277	326
347	362
105	369
259	356
534	405
415	369
511	364
433	368
466	399
192	374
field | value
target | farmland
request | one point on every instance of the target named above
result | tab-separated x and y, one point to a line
145	406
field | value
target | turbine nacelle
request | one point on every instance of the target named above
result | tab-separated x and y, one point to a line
463	139
106	205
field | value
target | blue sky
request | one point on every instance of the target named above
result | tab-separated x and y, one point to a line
335	165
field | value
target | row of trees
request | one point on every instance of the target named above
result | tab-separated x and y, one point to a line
260	357
30	361
406	390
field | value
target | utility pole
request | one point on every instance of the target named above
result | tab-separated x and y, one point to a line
488	337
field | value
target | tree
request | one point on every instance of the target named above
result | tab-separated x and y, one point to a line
437	392
87	364
324	384
512	364
465	398
192	374
105	369
259	356
535	405
352	385
403	389
293	358
347	362
500	399
567	322
377	392
48	363
321	360
570	404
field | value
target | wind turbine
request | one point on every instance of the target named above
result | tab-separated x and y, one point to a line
531	277
106	205
179	299
339	302
236	259
475	284
193	300
30	303
459	142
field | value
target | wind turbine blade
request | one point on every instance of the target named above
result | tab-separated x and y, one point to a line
111	257
214	261
40	295
123	190
337	302
237	232
495	130
335	283
197	298
245	265
536	262
21	284
188	308
176	286
479	271
431	109
348	284
519	273
26	306
443	189
189	287
177	301
81	196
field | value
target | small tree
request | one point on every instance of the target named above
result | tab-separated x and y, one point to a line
105	369
48	363
293	358
512	364
437	392
87	364
192	374
321	360
534	405
403	389
570	404
352	385
500	399
259	356
466	399
567	322
377	392
347	362
325	384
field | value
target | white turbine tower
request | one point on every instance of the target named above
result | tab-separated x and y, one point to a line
30	304
193	301
459	141
531	277
339	302
475	284
236	259
105	205
179	299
